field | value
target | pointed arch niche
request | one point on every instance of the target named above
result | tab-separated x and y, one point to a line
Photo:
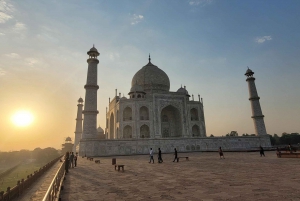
111	126
194	114
127	132
127	114
144	131
144	113
196	131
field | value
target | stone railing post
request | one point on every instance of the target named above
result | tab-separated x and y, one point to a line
8	193
18	188
1	195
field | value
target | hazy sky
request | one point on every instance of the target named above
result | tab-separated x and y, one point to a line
203	44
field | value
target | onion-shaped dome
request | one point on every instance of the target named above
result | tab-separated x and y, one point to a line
80	100
151	78
123	98
68	139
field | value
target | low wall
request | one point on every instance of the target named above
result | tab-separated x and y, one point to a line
97	147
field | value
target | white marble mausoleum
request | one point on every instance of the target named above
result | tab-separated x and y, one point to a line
151	116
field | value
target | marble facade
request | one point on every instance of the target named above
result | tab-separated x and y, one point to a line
142	146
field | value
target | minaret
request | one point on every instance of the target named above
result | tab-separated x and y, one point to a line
258	117
90	109
78	129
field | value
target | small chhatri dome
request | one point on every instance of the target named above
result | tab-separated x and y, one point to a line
151	78
80	100
123	98
68	139
183	91
249	72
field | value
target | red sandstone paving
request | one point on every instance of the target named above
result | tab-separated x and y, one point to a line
239	177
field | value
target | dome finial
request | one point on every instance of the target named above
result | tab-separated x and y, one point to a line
149	58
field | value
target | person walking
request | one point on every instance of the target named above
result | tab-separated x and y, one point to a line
67	162
160	160
175	155
221	153
71	160
151	155
75	160
261	151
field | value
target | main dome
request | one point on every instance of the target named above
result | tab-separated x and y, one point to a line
152	79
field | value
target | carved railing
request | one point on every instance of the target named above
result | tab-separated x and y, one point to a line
23	184
55	186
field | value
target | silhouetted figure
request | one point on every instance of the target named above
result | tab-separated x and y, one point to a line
75	160
175	155
278	152
261	151
151	155
71	160
221	153
290	148
160	160
67	162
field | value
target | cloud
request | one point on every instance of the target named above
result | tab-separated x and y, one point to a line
200	2
263	39
113	56
2	72
2	34
136	19
31	61
19	27
12	55
6	10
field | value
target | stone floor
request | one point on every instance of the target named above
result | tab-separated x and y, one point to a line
240	177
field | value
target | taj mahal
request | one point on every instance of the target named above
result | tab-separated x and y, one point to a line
153	116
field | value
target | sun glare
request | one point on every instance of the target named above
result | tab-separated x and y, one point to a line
22	118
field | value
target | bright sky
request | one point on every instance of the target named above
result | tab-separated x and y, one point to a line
203	44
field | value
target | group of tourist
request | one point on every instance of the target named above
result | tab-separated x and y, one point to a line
70	160
160	160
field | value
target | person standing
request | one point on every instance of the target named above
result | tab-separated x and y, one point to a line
67	162
151	155
290	148
278	152
221	153
75	160
160	160
175	155
261	151
71	160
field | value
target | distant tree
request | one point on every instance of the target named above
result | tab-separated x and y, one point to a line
211	135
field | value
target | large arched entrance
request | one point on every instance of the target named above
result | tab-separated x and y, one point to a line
171	122
111	127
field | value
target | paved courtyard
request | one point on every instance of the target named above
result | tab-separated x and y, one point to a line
240	177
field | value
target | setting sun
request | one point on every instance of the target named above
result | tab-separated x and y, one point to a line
22	118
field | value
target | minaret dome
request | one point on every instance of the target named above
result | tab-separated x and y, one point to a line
93	53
